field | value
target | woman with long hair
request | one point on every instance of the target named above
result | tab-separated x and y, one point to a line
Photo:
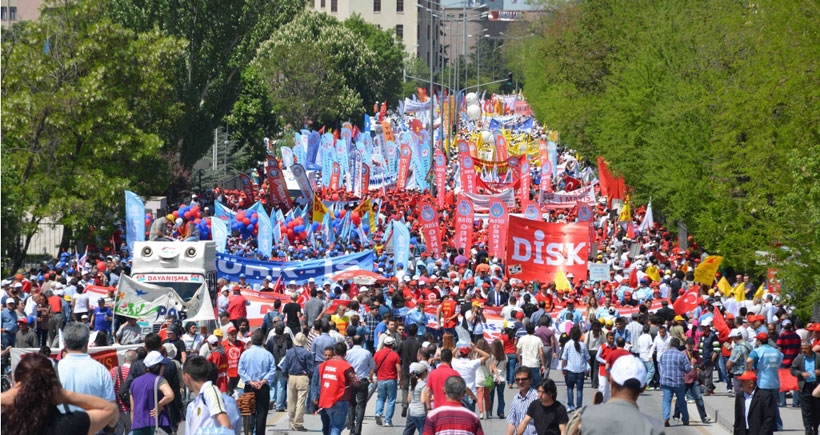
574	364
499	361
44	314
592	309
508	341
146	415
484	381
32	405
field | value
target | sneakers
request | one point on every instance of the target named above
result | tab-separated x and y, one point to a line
404	411
666	423
388	424
379	420
707	420
299	428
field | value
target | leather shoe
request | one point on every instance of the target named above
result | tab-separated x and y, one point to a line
404	412
666	423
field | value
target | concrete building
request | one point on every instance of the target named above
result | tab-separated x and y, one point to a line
402	16
14	11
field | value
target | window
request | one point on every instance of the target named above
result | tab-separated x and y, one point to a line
322	4
399	5
9	13
377	5
399	31
334	5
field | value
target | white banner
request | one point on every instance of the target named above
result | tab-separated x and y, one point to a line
482	202
152	302
568	199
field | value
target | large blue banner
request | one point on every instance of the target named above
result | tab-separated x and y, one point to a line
229	267
134	219
265	234
401	244
219	233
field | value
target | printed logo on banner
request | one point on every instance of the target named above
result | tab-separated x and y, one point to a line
584	213
531	212
496	210
273	172
463	208
405	151
427	213
462	146
525	167
336	169
425	151
391	151
467	163
513	161
439	160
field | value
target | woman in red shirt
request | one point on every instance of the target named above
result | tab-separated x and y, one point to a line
508	339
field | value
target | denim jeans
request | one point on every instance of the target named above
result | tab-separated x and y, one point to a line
414	424
535	372
468	402
279	390
498	391
512	365
695	390
650	371
338	415
386	391
575	381
680	393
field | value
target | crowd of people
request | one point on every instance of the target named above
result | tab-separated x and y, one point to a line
420	341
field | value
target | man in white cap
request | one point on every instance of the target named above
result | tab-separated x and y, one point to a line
620	414
736	364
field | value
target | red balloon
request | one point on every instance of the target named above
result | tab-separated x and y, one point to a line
197	221
290	233
292	224
255	231
176	214
240	215
246	221
342	213
187	215
356	220
101	266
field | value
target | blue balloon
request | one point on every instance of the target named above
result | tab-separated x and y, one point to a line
250	227
299	229
254	220
315	226
366	229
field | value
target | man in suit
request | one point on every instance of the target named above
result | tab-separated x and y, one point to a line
805	369
754	409
498	296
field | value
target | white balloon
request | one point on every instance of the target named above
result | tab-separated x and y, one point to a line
487	137
473	111
472	98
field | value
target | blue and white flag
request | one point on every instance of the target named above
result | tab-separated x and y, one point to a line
230	266
224	213
134	219
219	233
264	236
401	244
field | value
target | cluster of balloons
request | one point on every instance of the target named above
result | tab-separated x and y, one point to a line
246	223
474	113
295	228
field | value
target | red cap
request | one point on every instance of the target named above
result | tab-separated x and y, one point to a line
762	336
747	376
519	315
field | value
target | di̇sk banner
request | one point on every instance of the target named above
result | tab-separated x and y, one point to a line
537	250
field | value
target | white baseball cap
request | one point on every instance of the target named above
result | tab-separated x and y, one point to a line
153	358
389	341
213	339
735	333
628	368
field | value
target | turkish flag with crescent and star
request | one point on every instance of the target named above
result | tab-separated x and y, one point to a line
686	302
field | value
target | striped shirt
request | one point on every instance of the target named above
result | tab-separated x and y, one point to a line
115	376
452	419
518	409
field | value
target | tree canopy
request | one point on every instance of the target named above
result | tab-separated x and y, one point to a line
709	108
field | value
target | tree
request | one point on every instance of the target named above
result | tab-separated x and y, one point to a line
223	38
317	69
83	108
712	111
389	57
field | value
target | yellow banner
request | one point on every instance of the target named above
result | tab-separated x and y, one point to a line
706	270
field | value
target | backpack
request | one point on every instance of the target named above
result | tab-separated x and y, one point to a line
574	423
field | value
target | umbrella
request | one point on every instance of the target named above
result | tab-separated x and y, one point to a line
359	277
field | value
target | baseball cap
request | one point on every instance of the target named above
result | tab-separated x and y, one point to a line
707	322
213	339
389	341
735	333
231	328
218	332
464	351
678	318
225	288
786	322
22	320
762	336
629	371
747	376
311	280
418	368
241	275
153	358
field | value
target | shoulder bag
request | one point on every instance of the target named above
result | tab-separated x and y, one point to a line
157	430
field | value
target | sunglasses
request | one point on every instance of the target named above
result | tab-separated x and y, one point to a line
522	379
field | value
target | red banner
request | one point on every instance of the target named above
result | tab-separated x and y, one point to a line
772	281
465	213
247	186
405	154
441	177
279	188
428	216
335	175
537	250
501	151
467	170
365	178
497	236
526	182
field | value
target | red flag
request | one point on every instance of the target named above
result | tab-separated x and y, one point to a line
686	302
604	176
720	325
630	231
279	286
633	277
571	184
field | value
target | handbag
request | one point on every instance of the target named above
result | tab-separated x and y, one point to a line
157	430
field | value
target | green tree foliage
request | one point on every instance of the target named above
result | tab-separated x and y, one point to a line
84	105
317	69
710	108
223	38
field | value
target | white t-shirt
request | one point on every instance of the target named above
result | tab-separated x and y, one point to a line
466	368
530	347
206	405
645	347
81	303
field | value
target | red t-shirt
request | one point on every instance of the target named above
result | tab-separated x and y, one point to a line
220	360
448	309
386	361
56	304
236	307
509	345
435	382
604	354
615	354
233	352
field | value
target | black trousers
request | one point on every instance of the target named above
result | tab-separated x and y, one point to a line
260	417
358	403
810	408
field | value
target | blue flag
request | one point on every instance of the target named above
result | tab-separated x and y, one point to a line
401	244
134	219
219	233
265	234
